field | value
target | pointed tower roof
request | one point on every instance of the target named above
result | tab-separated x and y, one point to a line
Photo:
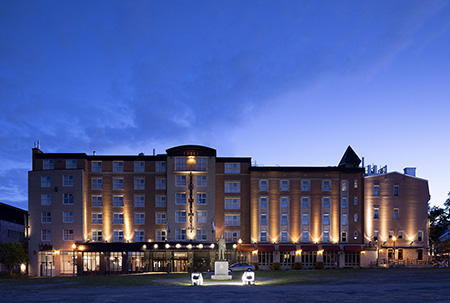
350	158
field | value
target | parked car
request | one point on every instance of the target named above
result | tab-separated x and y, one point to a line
241	267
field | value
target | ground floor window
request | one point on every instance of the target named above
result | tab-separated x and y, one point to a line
287	258
136	262
114	262
352	259
265	258
330	259
309	259
46	263
91	261
67	263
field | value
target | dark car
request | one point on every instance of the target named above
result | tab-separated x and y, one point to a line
241	267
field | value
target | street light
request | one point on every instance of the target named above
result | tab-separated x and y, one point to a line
239	250
393	239
73	259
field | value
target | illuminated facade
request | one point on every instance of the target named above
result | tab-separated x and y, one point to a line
94	214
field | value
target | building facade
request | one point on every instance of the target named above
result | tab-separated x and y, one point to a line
94	214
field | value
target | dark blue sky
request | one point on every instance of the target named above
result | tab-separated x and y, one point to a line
286	82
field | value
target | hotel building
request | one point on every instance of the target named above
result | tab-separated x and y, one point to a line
95	214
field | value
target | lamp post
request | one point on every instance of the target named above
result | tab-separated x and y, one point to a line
394	238
191	162
73	259
239	250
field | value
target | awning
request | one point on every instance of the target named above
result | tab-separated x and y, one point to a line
355	248
331	248
310	247
247	247
269	247
287	247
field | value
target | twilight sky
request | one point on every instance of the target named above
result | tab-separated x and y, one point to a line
285	82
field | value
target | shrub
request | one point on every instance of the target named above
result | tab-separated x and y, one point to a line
318	265
256	265
297	265
276	265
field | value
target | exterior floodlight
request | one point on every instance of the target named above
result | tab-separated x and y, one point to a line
248	278
196	278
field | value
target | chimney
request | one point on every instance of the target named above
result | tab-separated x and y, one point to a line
411	171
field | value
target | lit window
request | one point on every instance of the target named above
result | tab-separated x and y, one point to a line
161	167
117	183
48	164
46	235
117	166
344	184
395	213
97	183
284	185
376	190
117	201
68	235
71	164
97	218
139	236
161	201
202	216
96	201
305	185
180	180
263	185
139	166
118	235
68	198
118	218
96	166
139	201
180	198
355	183
395	190
232	168
160	183
139	183
201	180
180	234
201	198
180	216
97	236
232	203
202	235
326	185
46	217
68	217
160	218
139	218
45	181
376	213
46	199
232	220
233	187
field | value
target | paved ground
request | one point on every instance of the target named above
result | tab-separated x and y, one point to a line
393	286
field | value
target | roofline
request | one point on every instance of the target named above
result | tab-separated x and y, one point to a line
14	208
306	168
398	173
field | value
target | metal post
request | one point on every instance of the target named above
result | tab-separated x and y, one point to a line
73	259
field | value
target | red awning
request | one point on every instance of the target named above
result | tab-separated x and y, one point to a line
247	247
331	247
355	248
269	247
287	247
310	247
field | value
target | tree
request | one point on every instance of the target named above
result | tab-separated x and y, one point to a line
439	222
11	254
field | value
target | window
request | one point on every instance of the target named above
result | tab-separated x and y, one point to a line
201	235
46	235
202	216
139	183
355	201
263	185
180	216
305	219
262	202
118	201
160	235
355	183
71	164
161	201
326	202
97	218
232	203
375	235
68	235
355	217
400	234
326	219
96	201
263	219
180	198
97	235
326	236
344	203
305	236
46	199
263	236
96	166
46	217
139	236
160	218
202	163
117	183
118	218
305	185
48	164
232	168
344	219
284	219
326	185
284	236
201	198
376	190
420	236
344	236
305	202
161	167
180	234
355	235
180	180
284	202
45	181
391	234
232	220
160	183
201	180
344	185
118	166
231	236
139	166
97	183
395	190
139	218
376	213
233	187
68	217
180	163
284	185
68	198
395	213
118	235
139	201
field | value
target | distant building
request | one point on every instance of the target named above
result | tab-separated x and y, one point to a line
123	214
